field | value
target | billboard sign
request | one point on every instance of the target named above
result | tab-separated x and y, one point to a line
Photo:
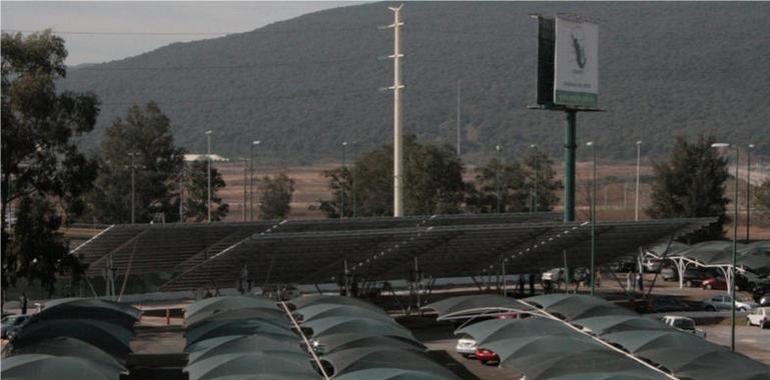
576	71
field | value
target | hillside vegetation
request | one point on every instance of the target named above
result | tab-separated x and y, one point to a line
304	85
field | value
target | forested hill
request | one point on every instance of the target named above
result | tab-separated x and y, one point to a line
304	85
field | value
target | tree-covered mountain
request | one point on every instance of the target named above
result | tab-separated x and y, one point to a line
304	85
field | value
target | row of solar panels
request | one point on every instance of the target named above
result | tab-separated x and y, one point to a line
72	339
573	336
237	336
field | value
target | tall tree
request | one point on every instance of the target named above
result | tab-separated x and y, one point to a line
762	197
541	182
432	182
275	196
197	191
40	162
690	183
142	143
509	179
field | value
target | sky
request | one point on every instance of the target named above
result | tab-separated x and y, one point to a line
101	31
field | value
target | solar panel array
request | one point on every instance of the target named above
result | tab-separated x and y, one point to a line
315	251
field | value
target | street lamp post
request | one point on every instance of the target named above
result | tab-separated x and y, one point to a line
208	172
535	199
342	184
251	179
735	242
638	162
497	176
593	220
355	201
748	191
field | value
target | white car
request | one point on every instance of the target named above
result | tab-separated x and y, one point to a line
683	324
466	346
725	302
759	317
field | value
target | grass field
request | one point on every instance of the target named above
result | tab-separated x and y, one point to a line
615	196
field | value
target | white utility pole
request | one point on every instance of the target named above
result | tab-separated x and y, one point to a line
398	156
459	100
638	161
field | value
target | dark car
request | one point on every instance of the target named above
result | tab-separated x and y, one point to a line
624	265
693	276
11	324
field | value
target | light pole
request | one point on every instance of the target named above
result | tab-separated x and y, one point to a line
638	162
735	242
748	191
355	201
497	176
342	184
593	220
251	179
208	171
537	174
133	187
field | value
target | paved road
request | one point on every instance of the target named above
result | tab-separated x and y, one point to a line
749	340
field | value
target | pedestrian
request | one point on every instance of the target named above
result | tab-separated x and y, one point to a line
531	284
629	282
640	281
598	279
521	284
23	302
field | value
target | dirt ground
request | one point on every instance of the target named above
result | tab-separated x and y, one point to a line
615	199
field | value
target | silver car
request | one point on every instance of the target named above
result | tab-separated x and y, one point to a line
725	302
466	346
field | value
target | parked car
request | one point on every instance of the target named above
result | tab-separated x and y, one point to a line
553	275
764	300
666	304
684	324
652	265
724	302
466	346
759	317
485	356
625	264
693	276
714	283
11	324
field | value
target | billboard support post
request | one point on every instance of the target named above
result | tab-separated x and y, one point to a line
567	80
569	166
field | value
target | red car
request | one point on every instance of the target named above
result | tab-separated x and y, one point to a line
714	283
484	355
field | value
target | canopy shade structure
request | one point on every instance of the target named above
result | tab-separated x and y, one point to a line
336	325
108	337
472	305
267	365
679	353
384	358
247	343
318	299
338	342
47	367
544	348
577	306
236	327
227	303
248	313
457	250
390	374
318	311
66	346
90	308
